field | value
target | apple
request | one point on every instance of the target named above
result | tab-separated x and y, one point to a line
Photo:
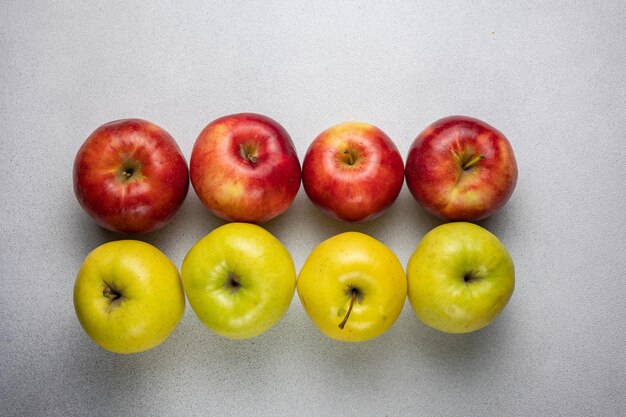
244	168
352	287
128	296
130	176
352	172
239	280
461	168
460	278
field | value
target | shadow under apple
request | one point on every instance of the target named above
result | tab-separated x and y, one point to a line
101	380
471	354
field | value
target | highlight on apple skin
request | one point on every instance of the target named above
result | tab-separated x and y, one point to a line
130	176
244	168
353	172
461	168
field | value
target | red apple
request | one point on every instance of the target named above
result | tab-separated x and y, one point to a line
353	171
461	168
130	176
244	168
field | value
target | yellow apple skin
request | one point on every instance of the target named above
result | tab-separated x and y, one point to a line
348	261
460	278
239	280
150	300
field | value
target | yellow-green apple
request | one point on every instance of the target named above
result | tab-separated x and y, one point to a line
461	168
130	176
244	168
353	287
352	171
239	280
128	296
460	278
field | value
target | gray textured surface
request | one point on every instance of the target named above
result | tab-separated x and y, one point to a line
550	75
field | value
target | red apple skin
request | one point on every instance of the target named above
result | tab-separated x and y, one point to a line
353	172
244	167
130	176
436	177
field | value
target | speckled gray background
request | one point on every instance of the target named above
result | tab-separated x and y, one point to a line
550	75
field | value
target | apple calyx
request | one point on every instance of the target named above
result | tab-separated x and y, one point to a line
471	161
249	152
233	283
355	295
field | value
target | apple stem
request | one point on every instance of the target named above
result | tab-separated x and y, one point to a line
110	293
473	162
354	294
248	152
349	157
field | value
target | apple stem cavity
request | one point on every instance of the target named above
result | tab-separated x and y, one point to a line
130	169
233	283
354	296
472	162
470	277
248	152
350	157
110	293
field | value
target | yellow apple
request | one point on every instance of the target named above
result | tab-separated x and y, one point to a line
128	296
460	278
239	280
352	287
